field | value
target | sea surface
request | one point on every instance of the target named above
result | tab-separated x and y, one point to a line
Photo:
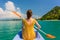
8	29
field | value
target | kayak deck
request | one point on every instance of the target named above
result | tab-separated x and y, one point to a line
19	36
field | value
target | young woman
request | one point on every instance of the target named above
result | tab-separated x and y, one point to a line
28	32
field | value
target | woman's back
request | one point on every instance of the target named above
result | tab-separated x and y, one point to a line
28	28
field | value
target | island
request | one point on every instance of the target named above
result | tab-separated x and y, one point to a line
53	14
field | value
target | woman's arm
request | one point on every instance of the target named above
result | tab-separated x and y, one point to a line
16	13
38	25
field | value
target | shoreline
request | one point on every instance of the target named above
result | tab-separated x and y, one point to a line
48	20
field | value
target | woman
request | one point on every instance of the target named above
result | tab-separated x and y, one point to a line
28	32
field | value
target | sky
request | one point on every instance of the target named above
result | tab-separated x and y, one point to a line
38	7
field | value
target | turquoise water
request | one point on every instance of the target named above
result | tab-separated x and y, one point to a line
8	29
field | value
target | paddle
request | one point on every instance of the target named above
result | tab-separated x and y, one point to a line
48	35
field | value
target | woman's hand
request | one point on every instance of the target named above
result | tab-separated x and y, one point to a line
38	25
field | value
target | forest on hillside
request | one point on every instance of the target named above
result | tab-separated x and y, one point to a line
54	14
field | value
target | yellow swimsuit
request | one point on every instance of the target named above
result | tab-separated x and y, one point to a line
28	32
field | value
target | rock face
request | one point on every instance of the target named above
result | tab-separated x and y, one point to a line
54	14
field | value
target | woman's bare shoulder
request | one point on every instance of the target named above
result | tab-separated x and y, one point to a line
34	19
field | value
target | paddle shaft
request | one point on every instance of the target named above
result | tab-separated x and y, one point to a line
40	30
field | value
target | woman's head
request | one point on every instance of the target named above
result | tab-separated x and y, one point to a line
29	13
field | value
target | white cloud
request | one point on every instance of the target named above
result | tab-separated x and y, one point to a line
1	10
7	13
10	6
36	16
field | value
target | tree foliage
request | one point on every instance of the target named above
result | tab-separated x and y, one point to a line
54	14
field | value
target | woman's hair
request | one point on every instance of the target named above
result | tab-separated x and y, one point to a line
29	14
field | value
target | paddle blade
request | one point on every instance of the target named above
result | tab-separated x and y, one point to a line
50	36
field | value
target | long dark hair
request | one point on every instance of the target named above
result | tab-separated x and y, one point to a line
29	13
